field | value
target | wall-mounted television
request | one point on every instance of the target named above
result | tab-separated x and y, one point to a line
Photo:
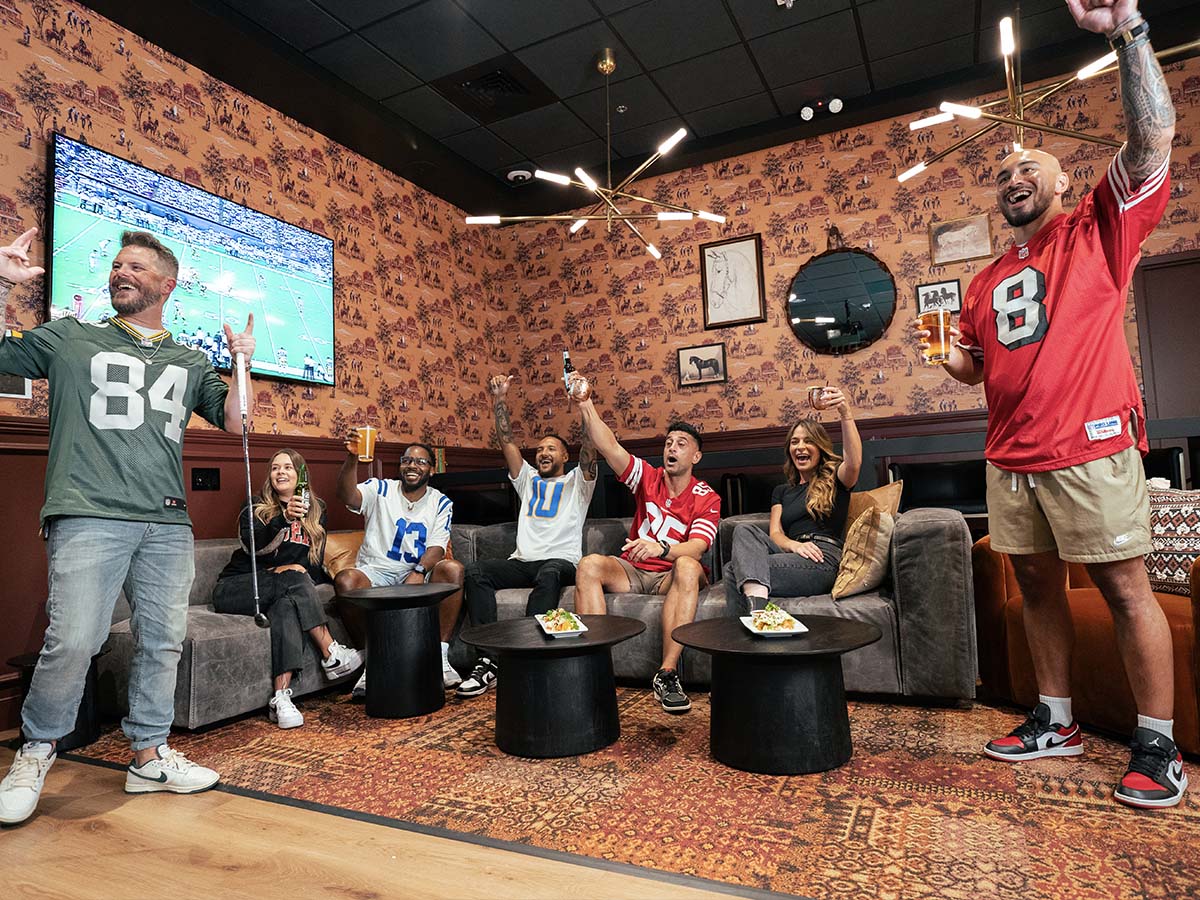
232	261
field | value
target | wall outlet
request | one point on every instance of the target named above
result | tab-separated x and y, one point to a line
206	479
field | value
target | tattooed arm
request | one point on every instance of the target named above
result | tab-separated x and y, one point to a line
1149	114
498	385
587	454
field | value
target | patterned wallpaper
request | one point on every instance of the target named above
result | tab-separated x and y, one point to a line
427	307
623	315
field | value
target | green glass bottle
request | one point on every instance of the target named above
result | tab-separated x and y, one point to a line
302	487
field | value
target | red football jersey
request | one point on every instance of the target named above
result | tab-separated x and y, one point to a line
661	517
1048	319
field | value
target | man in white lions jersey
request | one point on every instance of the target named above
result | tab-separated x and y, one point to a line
406	534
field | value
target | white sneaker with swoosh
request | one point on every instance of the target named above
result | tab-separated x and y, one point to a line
168	771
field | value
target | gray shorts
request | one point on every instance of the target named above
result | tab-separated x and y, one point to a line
644	582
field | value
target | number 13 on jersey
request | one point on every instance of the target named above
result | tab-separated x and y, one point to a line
409	544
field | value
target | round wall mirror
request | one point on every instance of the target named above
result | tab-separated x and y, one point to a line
841	301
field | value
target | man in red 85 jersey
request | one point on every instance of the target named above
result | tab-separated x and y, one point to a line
674	525
1042	328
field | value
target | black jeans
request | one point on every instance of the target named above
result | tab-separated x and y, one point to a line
547	577
290	602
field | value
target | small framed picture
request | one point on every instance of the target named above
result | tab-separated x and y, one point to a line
958	240
16	386
939	295
703	364
731	282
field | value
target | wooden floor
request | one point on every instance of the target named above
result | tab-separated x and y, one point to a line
89	839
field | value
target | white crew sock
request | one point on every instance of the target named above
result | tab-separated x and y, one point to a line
445	652
1162	726
1060	709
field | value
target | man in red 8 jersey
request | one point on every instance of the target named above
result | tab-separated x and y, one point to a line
673	526
1042	329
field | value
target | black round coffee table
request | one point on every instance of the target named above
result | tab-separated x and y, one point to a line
555	696
404	657
779	703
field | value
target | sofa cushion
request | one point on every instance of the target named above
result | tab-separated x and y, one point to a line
341	550
865	554
886	497
1175	536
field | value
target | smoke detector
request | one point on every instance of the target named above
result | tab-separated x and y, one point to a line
519	176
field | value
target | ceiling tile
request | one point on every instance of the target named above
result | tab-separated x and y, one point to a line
643	140
355	61
357	13
735	114
808	50
430	111
757	18
923	62
1042	30
549	128
847	84
433	39
591	156
567	63
724	75
669	31
643	101
299	22
992	11
608	7
922	24
519	23
483	148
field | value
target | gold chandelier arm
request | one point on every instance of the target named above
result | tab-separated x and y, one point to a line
637	198
958	145
1050	129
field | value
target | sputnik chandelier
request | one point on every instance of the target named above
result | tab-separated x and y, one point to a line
1020	100
607	210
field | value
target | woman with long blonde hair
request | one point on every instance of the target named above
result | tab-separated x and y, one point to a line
289	540
799	556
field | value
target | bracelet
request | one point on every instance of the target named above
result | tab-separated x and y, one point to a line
666	550
1127	33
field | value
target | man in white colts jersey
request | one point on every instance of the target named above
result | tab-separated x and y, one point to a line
406	534
554	504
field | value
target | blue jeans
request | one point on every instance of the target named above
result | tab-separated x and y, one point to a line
90	560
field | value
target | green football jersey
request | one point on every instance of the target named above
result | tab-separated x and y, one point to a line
119	403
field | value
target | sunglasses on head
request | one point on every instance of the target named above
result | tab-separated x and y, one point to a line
415	461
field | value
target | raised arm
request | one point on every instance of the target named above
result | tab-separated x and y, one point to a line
15	269
347	483
243	343
587	454
602	438
1149	114
498	386
851	465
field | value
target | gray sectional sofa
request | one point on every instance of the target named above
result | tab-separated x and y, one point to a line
925	609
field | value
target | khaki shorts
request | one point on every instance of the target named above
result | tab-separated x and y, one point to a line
643	582
1097	511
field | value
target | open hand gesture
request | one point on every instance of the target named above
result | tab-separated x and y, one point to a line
498	385
242	342
14	259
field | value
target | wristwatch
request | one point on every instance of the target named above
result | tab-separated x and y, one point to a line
1127	34
420	569
666	549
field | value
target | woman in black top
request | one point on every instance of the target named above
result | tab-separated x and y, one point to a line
289	538
800	556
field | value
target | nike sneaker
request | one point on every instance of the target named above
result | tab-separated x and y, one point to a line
171	771
1155	778
1036	737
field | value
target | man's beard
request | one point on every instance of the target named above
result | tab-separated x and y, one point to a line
126	306
407	488
1017	220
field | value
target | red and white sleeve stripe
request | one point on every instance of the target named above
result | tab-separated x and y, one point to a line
1122	188
705	529
633	475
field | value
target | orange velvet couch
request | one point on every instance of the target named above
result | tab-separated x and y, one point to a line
1100	691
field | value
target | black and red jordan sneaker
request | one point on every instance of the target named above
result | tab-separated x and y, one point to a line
1155	778
1036	737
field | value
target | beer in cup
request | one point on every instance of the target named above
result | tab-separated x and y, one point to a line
366	442
937	323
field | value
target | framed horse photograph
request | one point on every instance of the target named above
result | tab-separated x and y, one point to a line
701	365
731	282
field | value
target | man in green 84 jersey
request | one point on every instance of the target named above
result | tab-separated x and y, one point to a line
121	395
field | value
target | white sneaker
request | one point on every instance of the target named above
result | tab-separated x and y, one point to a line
342	661
169	771
282	711
22	786
360	688
450	678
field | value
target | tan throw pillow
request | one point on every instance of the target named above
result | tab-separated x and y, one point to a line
887	498
341	550
865	554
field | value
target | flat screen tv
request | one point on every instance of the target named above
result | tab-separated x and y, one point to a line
232	261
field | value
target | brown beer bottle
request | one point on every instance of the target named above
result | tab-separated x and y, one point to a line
578	390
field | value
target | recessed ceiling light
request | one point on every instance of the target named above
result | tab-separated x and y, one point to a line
806	113
835	105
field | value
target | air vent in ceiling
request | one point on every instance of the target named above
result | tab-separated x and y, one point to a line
495	89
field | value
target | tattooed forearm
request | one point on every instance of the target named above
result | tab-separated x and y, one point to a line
1149	114
587	457
503	425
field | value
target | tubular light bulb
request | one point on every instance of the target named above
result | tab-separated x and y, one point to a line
577	224
712	217
673	216
915	170
1092	68
653	251
1008	44
586	179
1017	148
958	109
937	119
483	220
551	176
665	147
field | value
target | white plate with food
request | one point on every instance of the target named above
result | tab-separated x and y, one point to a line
773	621
561	623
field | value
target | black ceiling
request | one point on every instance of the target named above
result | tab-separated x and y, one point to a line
385	77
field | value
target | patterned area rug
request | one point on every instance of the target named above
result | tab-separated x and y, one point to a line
918	812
